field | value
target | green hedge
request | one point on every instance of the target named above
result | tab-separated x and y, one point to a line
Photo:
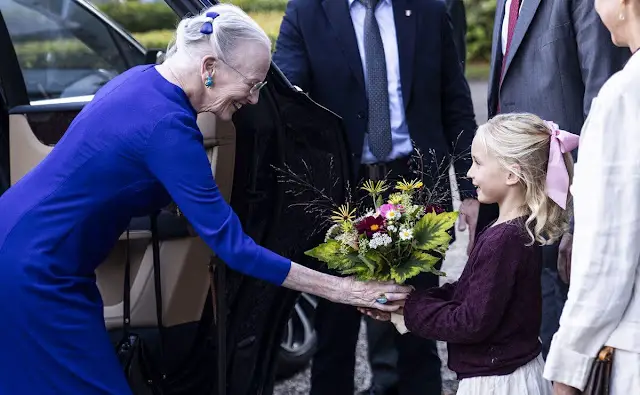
143	17
69	54
480	16
260	5
158	39
153	24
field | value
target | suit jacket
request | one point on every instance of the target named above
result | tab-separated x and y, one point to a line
458	15
317	50
603	307
560	57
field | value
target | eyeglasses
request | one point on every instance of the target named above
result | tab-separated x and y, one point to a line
253	88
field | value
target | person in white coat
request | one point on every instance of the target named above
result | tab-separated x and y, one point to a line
603	306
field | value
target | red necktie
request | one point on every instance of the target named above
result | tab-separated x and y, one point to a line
514	12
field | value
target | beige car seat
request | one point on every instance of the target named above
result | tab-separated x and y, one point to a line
185	278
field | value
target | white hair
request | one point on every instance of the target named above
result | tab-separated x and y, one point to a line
231	29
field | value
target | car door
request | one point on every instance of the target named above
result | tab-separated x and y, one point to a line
44	86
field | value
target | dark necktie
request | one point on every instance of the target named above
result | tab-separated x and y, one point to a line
379	125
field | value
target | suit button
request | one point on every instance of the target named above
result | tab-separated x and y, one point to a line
360	115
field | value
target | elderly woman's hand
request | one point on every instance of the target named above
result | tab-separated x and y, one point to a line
374	294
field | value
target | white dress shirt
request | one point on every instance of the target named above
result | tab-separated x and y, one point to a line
505	25
603	306
400	137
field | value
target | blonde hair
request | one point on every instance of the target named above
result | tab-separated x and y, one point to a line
231	29
520	143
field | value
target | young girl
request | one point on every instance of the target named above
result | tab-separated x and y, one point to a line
490	317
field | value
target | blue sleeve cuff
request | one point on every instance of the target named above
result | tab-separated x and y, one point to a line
276	268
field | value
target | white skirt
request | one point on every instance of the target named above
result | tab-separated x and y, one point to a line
526	380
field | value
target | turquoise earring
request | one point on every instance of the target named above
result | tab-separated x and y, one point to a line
208	82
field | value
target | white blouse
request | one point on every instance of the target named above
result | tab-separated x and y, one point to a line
603	306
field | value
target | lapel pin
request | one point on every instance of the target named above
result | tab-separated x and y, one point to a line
407	12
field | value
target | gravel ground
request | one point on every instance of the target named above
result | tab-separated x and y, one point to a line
453	265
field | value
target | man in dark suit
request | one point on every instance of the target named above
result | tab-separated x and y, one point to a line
458	16
390	69
550	58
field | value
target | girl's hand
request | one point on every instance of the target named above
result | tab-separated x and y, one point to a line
375	314
563	389
382	315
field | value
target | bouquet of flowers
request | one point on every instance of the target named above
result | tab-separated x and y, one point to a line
393	240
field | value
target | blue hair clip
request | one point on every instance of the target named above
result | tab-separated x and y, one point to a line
207	27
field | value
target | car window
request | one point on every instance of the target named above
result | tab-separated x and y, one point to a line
64	49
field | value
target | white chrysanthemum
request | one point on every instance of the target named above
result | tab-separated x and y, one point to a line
406	234
392	228
393	215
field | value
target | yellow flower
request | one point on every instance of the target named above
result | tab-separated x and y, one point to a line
375	187
396	199
407	186
343	214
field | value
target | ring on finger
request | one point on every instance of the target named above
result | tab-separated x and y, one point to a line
382	299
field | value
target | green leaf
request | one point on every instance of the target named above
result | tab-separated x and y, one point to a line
374	256
330	254
431	232
351	263
325	252
380	268
419	262
371	264
361	270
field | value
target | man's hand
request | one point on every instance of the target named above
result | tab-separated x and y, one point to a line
563	389
564	257
469	218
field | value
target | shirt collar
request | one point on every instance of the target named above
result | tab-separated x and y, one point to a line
381	1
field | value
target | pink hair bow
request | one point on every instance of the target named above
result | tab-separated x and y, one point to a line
557	174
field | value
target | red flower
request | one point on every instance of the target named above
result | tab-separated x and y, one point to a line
433	208
370	225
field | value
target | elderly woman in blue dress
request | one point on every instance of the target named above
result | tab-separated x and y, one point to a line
60	221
